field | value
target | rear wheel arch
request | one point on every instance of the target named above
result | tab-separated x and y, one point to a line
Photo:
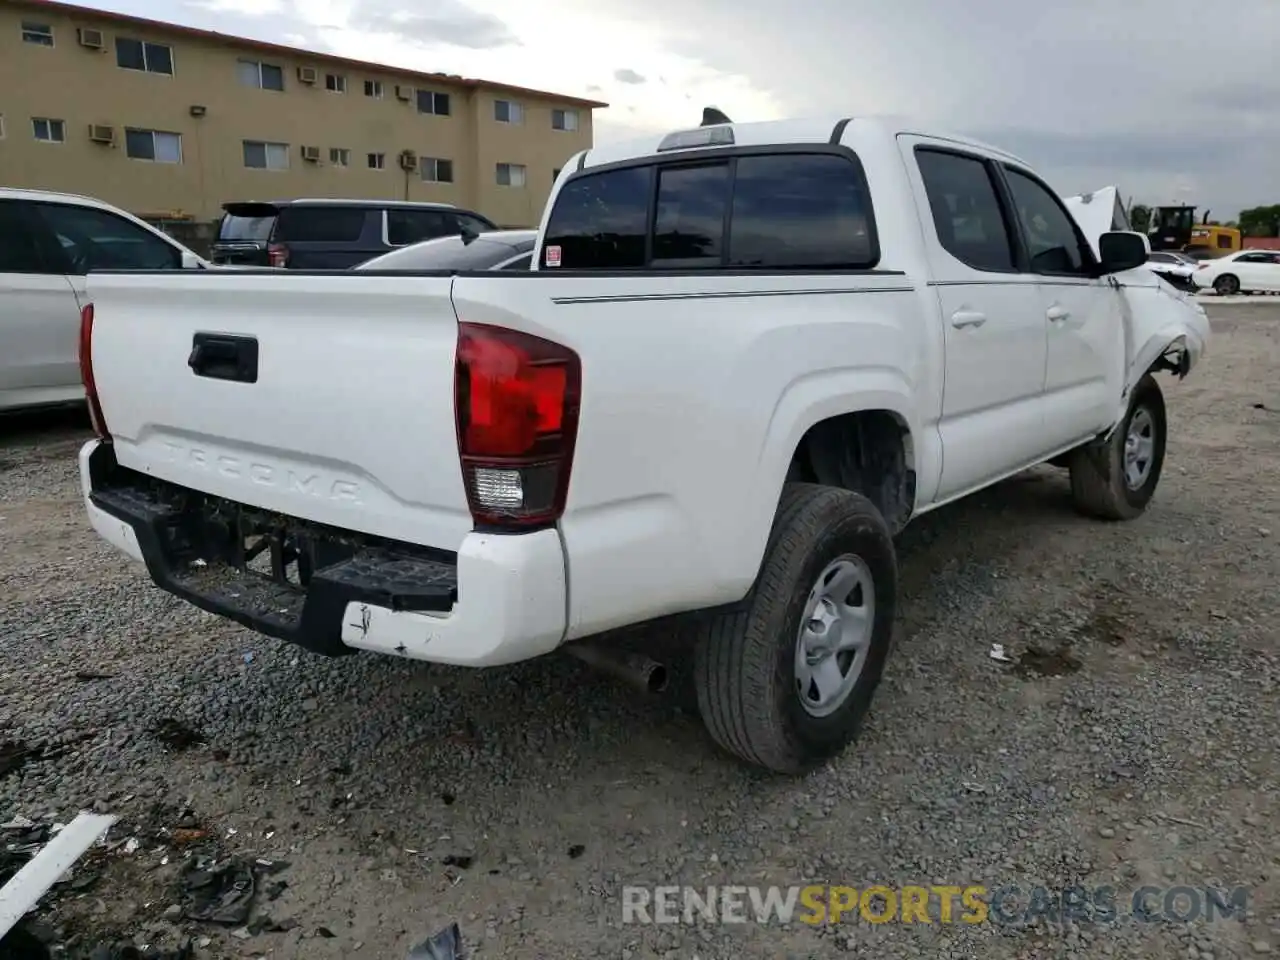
871	452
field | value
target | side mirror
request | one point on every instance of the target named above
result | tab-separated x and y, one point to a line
191	262
1121	250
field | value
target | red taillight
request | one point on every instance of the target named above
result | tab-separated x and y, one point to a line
516	400
277	255
86	373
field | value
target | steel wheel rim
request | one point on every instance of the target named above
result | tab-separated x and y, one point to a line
835	635
1139	448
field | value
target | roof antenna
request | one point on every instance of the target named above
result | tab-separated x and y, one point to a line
711	117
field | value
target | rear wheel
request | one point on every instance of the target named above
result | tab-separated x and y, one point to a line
1227	285
1116	479
785	681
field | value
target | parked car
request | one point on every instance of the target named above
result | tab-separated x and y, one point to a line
495	250
1243	272
746	357
48	243
332	234
1176	268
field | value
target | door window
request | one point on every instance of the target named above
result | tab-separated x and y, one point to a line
519	263
966	210
411	226
1053	240
19	248
335	224
600	221
93	239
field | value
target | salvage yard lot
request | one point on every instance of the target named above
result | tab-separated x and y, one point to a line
1131	741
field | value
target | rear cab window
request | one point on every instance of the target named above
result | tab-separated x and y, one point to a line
756	209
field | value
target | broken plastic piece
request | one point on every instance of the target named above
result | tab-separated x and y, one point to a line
997	653
445	945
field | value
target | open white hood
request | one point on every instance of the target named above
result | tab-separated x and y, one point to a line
1098	212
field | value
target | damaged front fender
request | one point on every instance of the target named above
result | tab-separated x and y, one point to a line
1165	329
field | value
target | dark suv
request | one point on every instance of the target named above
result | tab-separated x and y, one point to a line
331	234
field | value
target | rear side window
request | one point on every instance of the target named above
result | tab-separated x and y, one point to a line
600	221
966	210
320	224
19	250
411	226
775	211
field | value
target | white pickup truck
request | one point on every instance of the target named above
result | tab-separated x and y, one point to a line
745	357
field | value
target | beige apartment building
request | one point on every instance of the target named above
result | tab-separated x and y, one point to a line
166	121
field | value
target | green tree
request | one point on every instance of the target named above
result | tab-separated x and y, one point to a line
1261	221
1140	217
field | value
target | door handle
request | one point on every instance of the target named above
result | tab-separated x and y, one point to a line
1057	313
967	318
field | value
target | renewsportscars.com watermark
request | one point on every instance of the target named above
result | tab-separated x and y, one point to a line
816	905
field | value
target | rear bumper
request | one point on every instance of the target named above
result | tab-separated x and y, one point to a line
499	599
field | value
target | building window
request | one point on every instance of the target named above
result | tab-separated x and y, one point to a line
340	156
264	76
50	131
373	88
335	83
564	120
436	104
37	33
504	111
147	57
153	145
377	161
259	155
511	175
435	170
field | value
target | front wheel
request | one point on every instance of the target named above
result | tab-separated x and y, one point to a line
785	681
1116	479
1227	285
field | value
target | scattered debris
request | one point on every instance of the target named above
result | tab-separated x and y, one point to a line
14	755
325	932
177	735
974	787
460	860
576	851
445	945
23	890
88	676
997	653
447	798
219	892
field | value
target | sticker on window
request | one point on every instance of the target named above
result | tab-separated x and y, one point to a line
553	256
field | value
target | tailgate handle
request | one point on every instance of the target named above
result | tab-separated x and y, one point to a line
222	356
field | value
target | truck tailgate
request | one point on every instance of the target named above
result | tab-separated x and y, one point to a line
348	419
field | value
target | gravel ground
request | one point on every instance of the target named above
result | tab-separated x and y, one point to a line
1132	741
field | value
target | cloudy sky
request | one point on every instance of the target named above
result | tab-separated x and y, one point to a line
1172	100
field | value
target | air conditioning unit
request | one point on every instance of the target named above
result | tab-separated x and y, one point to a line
101	133
90	38
403	92
311	154
307	75
408	160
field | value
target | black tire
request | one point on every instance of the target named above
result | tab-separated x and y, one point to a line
745	660
1227	285
1098	484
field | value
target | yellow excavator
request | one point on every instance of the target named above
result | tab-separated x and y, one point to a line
1175	228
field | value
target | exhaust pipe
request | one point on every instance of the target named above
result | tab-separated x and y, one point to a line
634	669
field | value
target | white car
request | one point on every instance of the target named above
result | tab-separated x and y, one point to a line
1177	268
48	243
746	357
1244	272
